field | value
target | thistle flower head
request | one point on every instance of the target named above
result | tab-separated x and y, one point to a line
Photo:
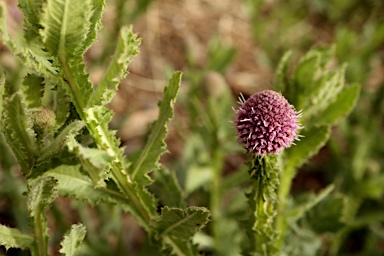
266	123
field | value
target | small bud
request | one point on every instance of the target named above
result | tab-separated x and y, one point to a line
266	123
44	118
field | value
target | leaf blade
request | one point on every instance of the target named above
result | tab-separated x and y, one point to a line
344	103
181	224
73	239
155	145
18	131
313	139
13	238
126	50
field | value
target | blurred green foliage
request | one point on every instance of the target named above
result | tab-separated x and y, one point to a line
348	221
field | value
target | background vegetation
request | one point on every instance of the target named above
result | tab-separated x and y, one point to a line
223	48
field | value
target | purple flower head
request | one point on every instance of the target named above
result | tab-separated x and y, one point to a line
266	123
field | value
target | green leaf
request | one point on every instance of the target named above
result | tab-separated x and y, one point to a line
42	193
173	246
323	93
18	132
99	117
313	139
33	56
281	82
31	22
155	146
181	224
13	238
167	187
305	75
127	48
71	182
66	24
73	240
7	159
32	87
95	162
74	183
341	107
62	106
55	146
97	12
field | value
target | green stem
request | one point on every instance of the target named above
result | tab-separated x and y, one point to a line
41	242
286	178
121	178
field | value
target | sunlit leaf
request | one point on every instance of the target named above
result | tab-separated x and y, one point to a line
73	240
155	146
13	238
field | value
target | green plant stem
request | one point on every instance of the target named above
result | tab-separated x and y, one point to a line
286	177
258	207
120	176
41	242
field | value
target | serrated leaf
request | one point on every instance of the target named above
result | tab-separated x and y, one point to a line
59	142
32	87
66	24
71	182
313	139
18	132
167	187
344	103
31	22
62	106
94	161
155	146
33	56
42	193
13	238
73	239
181	224
98	7
127	48
100	117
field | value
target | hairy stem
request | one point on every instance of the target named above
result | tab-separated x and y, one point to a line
41	241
